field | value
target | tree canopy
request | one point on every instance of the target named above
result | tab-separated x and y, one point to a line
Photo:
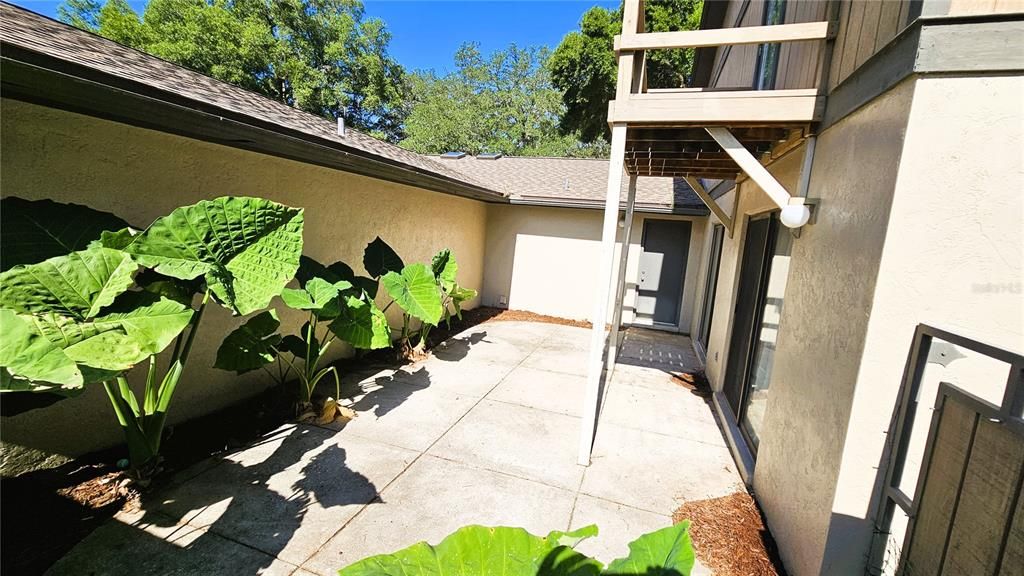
322	56
583	66
502	102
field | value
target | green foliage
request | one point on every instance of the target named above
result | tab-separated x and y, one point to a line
503	102
75	319
583	66
328	298
32	231
379	258
415	291
63	328
480	550
322	56
664	552
244	248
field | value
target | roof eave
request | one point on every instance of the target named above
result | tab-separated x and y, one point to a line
639	207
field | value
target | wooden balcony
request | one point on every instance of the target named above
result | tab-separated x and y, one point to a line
666	128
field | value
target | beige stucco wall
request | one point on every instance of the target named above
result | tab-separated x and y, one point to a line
953	259
141	174
823	322
544	260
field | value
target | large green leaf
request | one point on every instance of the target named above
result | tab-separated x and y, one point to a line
251	345
362	324
319	296
445	267
27	355
379	258
480	550
415	291
246	249
34	230
137	326
77	285
665	552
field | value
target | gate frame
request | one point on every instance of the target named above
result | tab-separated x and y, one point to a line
1008	413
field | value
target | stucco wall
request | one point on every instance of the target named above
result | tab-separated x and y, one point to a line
141	174
544	260
953	259
824	318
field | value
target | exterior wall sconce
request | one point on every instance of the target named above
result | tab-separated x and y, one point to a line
800	212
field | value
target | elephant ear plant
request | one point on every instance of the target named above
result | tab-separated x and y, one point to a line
339	307
428	294
88	316
480	550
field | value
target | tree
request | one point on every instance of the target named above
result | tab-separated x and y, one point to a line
584	68
503	102
322	56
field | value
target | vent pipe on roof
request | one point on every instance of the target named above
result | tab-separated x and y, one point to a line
341	126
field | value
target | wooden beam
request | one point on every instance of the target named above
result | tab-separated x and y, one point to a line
723	36
711	203
777	106
751	166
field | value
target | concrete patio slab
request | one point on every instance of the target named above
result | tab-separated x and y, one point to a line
559	359
469	376
542	389
121	549
618	525
660	471
291	502
483	431
413	511
407	415
675	413
516	440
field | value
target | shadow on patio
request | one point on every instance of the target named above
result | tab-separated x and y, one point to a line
484	431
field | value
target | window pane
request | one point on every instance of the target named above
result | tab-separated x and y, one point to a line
768	330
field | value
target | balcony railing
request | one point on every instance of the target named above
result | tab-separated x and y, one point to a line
635	104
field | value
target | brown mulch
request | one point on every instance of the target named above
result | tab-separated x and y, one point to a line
523	316
729	536
103	491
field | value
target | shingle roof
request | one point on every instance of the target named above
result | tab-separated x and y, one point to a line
573	181
30	31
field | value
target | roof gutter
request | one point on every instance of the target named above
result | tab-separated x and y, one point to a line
597	205
41	79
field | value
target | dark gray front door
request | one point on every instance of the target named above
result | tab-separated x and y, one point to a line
662	269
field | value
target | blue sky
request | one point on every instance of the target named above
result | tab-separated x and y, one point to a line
426	33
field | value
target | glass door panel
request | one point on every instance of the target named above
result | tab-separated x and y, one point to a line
772	295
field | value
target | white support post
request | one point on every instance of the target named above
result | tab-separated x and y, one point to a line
620	284
750	165
595	366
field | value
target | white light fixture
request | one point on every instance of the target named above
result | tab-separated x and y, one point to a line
795	215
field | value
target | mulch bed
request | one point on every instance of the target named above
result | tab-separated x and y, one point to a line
730	537
46	512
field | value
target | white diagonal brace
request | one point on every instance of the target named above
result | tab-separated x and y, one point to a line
711	203
750	165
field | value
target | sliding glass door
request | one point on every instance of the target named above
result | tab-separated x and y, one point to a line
710	285
763	273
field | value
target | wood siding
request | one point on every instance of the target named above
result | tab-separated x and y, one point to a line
864	28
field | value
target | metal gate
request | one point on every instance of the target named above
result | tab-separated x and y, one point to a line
955	506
